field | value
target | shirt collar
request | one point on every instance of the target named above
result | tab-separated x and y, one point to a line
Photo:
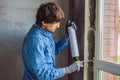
46	33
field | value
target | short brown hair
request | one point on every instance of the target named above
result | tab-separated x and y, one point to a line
49	13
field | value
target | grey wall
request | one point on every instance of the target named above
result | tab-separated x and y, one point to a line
16	18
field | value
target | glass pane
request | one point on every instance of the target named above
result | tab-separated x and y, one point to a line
108	76
111	33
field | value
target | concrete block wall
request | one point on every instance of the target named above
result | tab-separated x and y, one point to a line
110	34
16	18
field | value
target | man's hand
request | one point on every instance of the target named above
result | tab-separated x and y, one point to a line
70	24
73	67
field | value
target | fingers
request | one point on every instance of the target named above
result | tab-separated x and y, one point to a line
78	67
79	64
74	26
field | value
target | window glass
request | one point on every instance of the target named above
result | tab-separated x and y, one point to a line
111	33
108	76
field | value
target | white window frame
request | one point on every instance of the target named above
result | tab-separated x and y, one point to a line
98	63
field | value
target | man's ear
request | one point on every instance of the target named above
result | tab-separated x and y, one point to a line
43	23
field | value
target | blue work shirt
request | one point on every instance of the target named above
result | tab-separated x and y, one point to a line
38	51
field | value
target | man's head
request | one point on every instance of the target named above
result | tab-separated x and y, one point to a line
49	16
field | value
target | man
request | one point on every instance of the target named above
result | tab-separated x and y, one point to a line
39	48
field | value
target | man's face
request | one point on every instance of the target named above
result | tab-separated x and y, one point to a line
51	27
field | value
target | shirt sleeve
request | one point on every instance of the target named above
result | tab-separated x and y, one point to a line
60	45
41	69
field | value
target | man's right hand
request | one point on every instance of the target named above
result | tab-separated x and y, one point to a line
73	67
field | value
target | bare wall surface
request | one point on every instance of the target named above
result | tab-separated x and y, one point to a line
16	18
77	14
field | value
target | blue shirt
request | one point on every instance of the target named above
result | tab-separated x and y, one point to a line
38	51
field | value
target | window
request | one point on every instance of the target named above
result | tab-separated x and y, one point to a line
107	40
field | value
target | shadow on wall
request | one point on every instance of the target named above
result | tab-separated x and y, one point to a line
77	14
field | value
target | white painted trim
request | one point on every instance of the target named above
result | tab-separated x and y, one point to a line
99	36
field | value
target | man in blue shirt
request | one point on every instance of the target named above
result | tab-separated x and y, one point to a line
39	48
